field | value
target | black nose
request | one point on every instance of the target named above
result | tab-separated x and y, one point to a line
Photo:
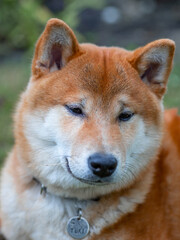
102	165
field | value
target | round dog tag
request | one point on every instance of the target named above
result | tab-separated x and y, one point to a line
78	227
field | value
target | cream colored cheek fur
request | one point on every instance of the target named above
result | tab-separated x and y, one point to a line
51	143
142	149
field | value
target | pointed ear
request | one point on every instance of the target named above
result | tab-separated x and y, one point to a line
154	63
56	46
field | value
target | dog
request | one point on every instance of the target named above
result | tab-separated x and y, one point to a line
95	154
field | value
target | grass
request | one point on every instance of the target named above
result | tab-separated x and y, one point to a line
172	97
14	77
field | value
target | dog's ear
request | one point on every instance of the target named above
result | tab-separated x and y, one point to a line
154	63
56	46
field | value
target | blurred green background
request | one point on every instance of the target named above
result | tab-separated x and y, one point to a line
125	23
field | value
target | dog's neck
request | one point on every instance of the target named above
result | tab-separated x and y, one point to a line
106	210
43	191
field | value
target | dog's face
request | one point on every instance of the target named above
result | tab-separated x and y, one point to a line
90	120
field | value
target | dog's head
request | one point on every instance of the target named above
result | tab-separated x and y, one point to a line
90	120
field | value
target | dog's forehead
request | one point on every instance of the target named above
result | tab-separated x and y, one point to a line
104	71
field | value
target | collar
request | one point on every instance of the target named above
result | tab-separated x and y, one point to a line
43	190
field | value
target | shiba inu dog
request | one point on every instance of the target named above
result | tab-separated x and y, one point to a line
91	136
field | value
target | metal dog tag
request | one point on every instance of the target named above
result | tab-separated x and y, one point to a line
78	227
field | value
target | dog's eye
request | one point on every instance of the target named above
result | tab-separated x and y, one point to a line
75	110
125	116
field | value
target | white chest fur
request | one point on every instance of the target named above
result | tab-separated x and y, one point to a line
36	217
30	216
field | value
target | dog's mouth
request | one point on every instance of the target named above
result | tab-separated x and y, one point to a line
87	181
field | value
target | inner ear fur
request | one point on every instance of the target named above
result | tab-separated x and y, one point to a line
154	63
56	46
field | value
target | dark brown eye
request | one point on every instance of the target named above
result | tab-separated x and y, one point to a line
74	110
125	116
